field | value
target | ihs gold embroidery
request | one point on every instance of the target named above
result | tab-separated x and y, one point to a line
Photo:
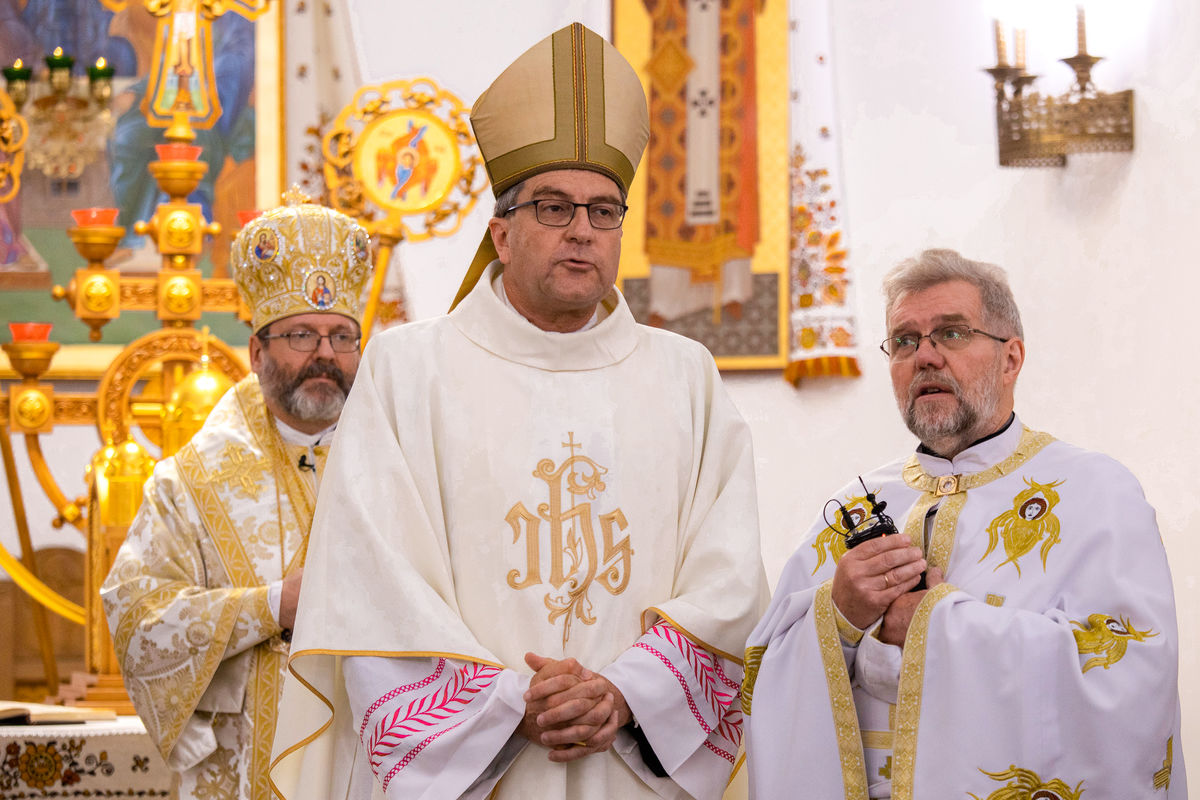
1028	522
1024	784
1107	637
577	559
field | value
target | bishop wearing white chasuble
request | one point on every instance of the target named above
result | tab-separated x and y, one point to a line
535	558
1040	662
202	594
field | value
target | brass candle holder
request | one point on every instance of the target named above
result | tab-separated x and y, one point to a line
1036	130
94	293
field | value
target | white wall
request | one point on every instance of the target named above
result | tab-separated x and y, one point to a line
1100	253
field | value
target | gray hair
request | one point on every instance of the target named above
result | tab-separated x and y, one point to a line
508	198
933	267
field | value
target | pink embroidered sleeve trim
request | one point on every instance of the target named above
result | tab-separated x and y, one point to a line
720	692
421	684
428	716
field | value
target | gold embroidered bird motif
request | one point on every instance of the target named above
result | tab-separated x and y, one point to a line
831	542
1024	784
1107	637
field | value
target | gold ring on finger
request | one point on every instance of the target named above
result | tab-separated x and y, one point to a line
887	582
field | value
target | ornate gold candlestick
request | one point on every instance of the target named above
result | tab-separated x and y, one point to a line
94	294
178	294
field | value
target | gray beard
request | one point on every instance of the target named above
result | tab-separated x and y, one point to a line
318	403
951	433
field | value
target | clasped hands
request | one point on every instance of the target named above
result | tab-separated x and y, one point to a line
875	580
570	709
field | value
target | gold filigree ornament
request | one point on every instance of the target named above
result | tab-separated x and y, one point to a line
401	159
13	133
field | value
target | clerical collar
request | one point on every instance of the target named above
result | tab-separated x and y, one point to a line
483	318
293	436
980	455
498	286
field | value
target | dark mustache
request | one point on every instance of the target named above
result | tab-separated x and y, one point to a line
321	368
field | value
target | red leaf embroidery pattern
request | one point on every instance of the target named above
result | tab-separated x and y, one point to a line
399	690
420	716
719	690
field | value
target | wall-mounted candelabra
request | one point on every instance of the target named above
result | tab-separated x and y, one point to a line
1035	130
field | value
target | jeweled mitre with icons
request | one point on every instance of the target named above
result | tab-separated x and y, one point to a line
301	258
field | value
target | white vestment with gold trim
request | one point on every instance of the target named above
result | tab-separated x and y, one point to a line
1047	662
187	597
496	489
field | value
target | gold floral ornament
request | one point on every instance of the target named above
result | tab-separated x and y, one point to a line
1107	637
822	327
41	765
46	765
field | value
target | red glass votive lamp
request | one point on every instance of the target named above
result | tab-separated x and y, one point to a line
94	217
177	151
30	331
247	215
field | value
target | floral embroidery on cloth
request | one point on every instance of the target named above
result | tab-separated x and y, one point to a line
45	765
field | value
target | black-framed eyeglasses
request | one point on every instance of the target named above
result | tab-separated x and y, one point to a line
557	213
308	341
947	337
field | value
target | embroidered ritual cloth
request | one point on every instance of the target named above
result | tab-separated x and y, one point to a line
496	489
187	599
1047	661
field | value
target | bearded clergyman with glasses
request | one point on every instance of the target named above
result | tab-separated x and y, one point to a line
202	596
1014	636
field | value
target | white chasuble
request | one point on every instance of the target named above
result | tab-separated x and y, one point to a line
495	489
1045	666
187	597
